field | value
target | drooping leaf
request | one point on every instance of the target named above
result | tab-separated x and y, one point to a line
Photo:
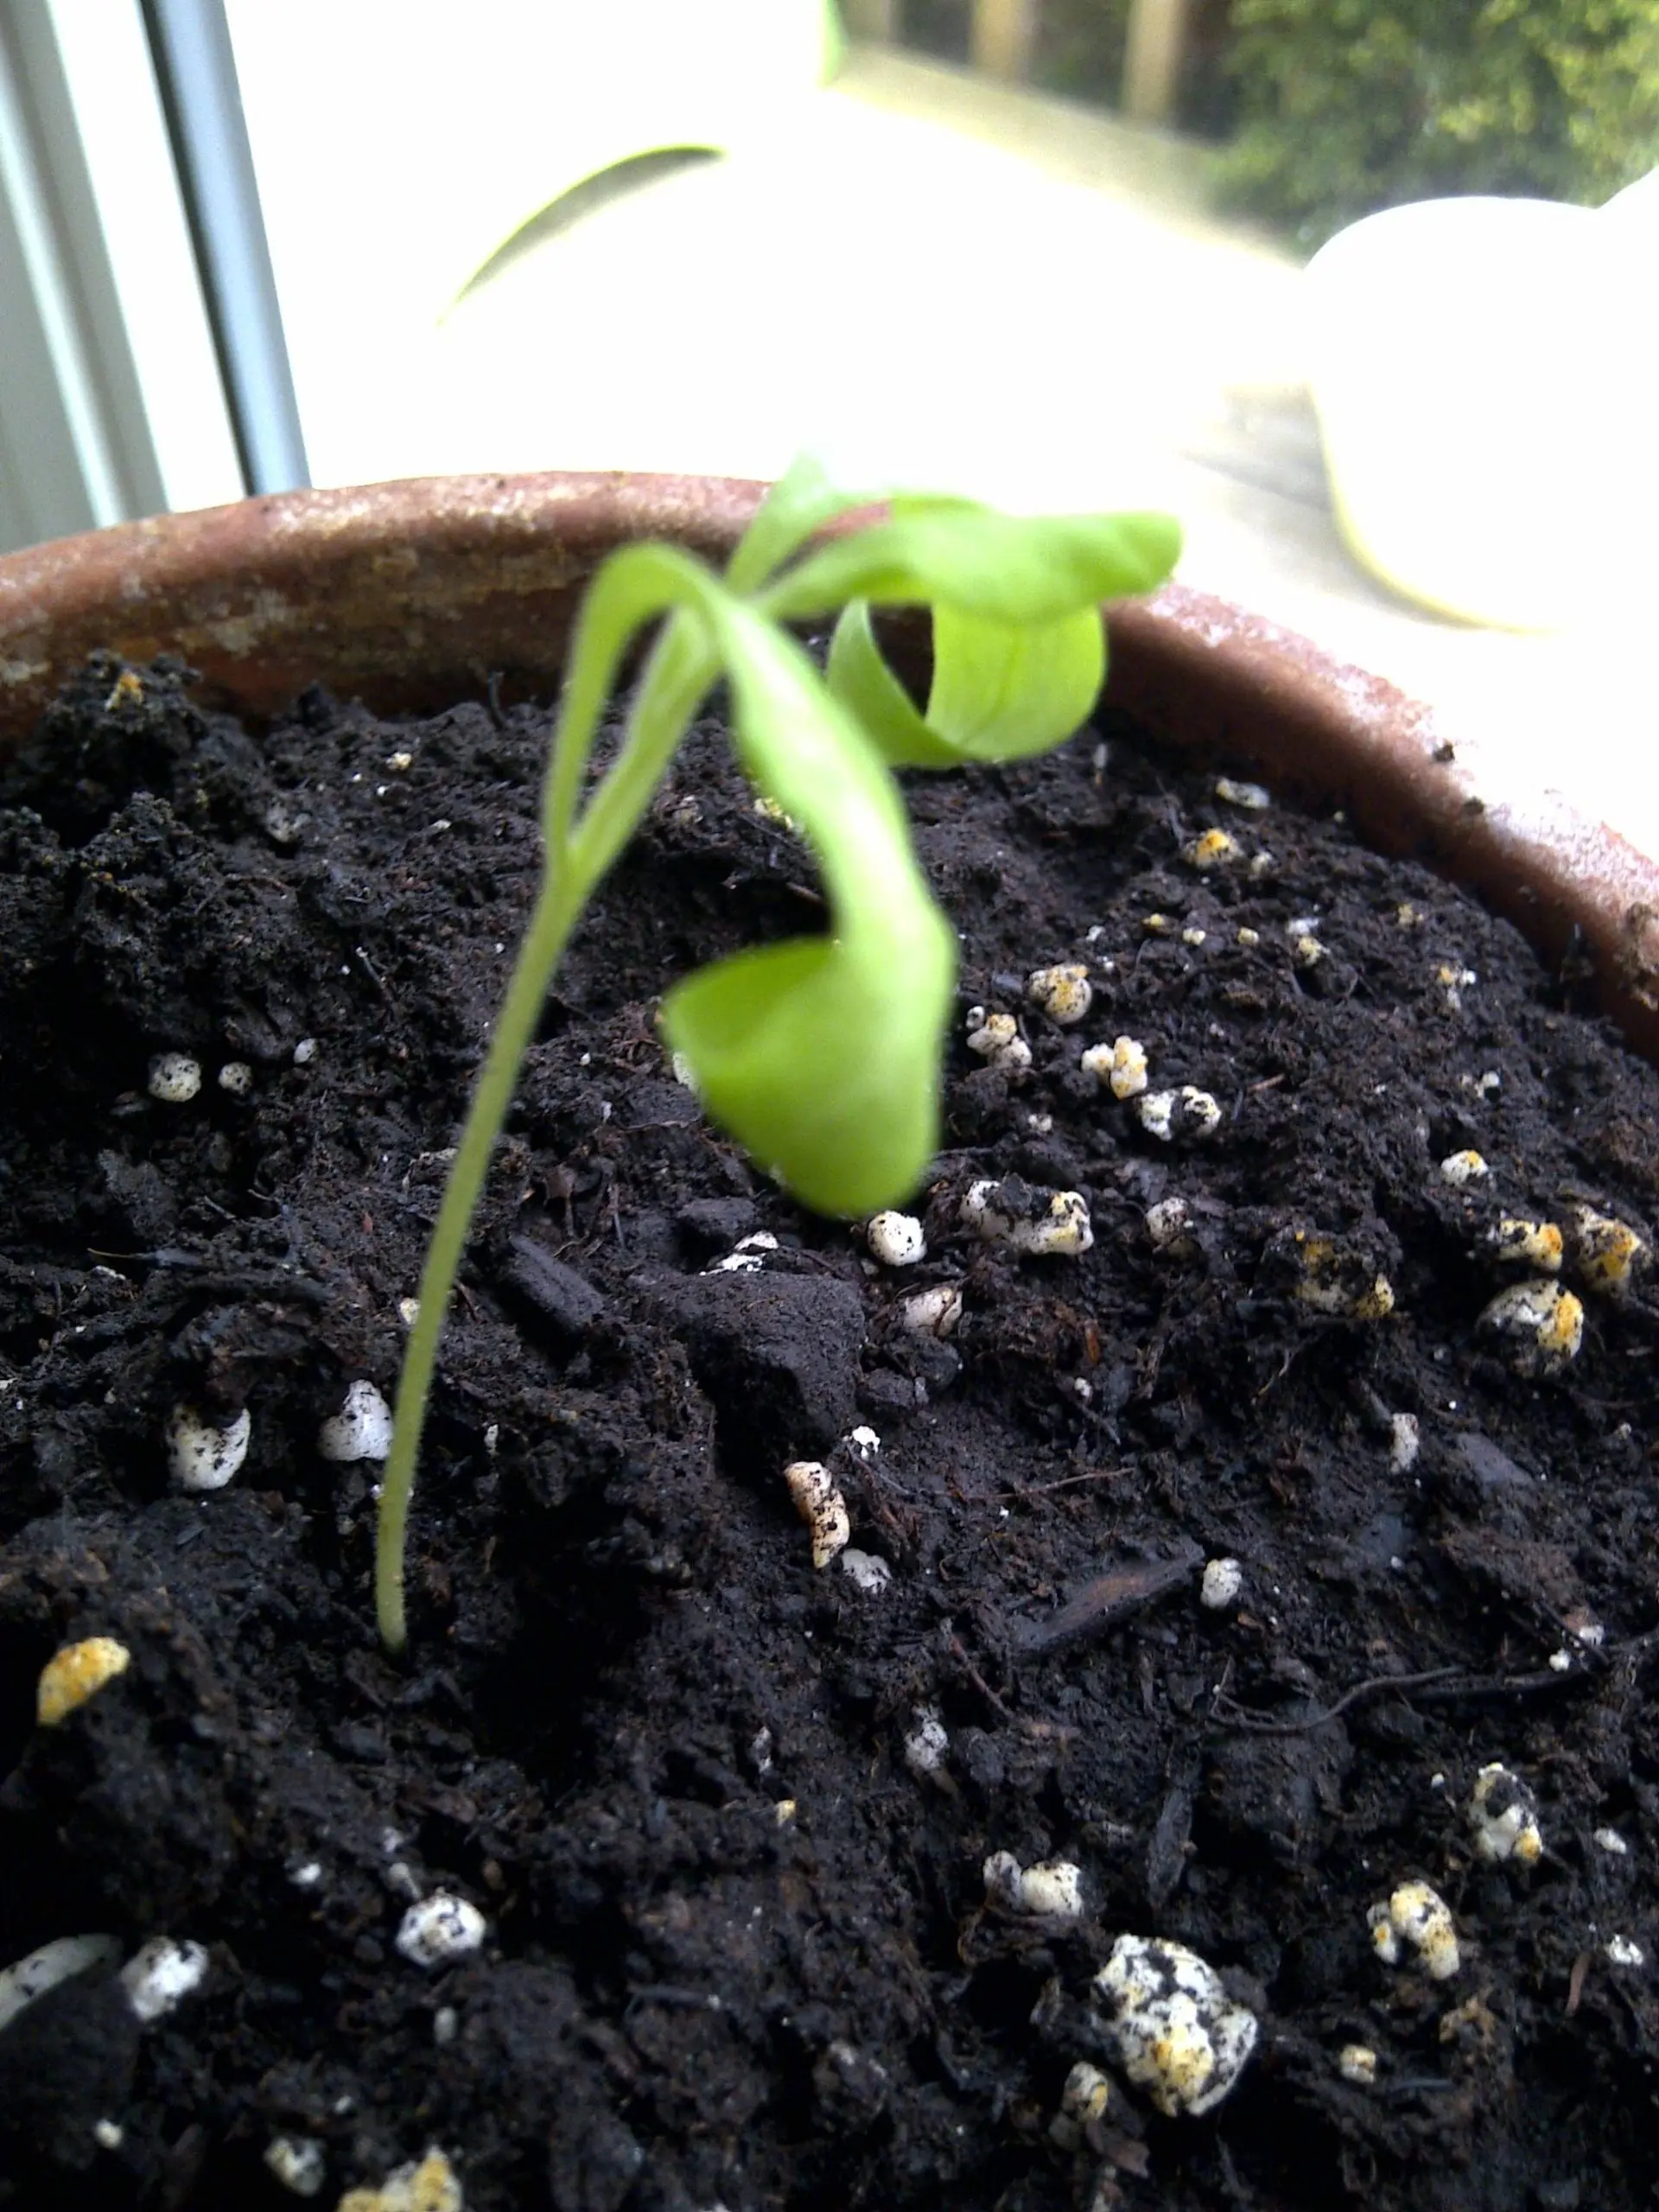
822	1056
823	1061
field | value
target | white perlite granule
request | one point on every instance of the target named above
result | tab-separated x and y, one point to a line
360	1430
440	1929
175	1078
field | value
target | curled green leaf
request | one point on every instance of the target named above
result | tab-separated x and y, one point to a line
858	675
1001	690
822	1056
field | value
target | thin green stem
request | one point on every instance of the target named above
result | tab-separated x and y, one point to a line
679	671
544	942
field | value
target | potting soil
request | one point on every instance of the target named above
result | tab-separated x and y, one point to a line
723	1818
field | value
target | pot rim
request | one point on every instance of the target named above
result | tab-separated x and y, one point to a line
414	593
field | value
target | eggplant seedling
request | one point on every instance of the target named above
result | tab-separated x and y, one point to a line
820	1055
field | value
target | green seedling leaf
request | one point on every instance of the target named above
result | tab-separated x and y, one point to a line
822	1056
1001	690
798	504
823	1064
1013	567
858	675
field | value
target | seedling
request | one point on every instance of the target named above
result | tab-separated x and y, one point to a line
820	1055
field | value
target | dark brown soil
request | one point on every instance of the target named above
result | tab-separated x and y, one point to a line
738	1953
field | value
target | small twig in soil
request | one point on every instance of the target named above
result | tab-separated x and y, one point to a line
1279	1373
372	971
492	698
1575	1982
1481	1686
1441	1686
1237	1720
668	1993
1066	1482
261	882
247	1282
1109	1599
997	1704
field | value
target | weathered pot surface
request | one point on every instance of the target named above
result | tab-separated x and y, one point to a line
415	593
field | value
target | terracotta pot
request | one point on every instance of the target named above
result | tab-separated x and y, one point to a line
410	595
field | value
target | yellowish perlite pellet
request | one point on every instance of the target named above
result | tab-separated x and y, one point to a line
78	1672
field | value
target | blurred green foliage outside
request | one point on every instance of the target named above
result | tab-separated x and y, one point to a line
1346	107
1327	109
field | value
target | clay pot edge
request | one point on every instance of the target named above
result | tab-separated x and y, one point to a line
411	593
